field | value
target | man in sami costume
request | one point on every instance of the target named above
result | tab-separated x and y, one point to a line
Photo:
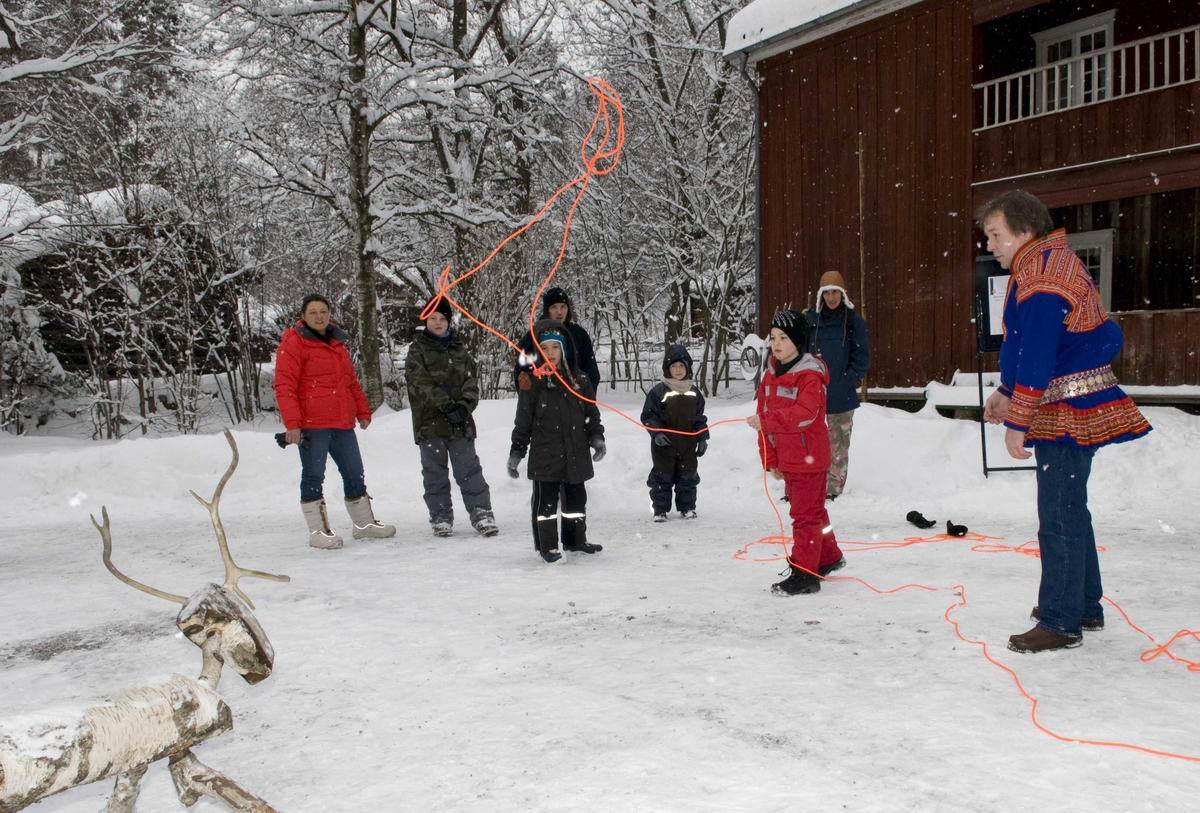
1059	396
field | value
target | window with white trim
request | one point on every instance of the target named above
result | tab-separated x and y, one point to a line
1095	249
1075	74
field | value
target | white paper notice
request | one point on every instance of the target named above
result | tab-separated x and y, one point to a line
997	293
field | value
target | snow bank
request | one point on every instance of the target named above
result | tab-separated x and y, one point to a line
464	674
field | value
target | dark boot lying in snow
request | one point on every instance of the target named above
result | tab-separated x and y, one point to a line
918	519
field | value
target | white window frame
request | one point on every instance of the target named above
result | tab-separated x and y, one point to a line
1101	239
1071	67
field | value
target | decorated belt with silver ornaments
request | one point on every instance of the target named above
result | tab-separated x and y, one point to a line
1077	384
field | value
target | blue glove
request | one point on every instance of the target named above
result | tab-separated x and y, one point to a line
701	448
662	439
598	448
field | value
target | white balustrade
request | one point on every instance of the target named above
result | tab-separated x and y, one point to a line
1142	66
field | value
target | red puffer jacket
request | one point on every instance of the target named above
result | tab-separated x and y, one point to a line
315	385
792	410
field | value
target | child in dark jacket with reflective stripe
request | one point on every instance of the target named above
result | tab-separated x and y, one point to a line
677	404
557	428
794	443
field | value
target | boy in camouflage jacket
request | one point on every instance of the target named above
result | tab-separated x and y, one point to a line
443	391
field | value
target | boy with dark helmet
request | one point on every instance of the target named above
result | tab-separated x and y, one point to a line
794	443
677	404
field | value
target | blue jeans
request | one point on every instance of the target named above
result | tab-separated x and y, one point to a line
1070	589
342	446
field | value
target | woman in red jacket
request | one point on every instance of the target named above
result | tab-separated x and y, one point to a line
319	398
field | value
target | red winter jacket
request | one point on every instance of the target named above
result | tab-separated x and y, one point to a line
315	385
792	410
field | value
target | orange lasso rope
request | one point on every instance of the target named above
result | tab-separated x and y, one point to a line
601	160
960	591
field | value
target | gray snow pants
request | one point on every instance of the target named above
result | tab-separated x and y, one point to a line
468	473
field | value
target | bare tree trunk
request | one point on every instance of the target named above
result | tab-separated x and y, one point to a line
360	202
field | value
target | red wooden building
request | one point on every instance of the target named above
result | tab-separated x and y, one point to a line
886	123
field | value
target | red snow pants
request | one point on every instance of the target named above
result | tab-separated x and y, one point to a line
813	542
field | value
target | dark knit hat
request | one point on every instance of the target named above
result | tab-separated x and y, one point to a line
555	296
795	325
442	307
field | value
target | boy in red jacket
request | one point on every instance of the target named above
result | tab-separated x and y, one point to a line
794	442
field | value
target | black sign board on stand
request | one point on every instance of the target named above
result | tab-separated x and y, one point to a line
991	291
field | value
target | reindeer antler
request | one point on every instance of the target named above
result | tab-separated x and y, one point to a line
233	573
106	535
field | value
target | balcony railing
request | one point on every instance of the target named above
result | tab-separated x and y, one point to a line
1090	78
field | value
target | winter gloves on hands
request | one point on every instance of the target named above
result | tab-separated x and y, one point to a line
515	456
663	440
598	447
454	412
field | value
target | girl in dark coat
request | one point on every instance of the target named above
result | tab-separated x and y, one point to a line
557	428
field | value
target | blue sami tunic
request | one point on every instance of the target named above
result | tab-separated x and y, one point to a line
1058	346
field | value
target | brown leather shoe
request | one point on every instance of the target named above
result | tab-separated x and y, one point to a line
1089	624
1040	640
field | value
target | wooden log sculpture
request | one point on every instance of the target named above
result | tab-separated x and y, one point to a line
53	752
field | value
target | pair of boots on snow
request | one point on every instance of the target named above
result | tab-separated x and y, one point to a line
574	537
361	516
481	520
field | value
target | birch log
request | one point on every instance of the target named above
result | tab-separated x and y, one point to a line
48	753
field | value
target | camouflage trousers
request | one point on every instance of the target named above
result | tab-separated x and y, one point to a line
840	424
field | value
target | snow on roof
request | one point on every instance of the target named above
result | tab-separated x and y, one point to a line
765	20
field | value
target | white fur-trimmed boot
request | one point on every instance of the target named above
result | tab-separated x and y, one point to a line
319	534
365	524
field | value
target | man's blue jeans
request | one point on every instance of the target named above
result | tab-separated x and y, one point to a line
342	446
1070	589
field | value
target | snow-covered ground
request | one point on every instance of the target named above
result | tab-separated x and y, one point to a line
419	674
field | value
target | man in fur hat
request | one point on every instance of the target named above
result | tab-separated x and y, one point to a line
839	337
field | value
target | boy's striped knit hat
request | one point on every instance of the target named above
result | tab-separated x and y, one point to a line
795	325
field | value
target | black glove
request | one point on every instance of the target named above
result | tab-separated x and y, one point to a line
701	448
455	413
305	440
514	460
955	530
598	448
662	439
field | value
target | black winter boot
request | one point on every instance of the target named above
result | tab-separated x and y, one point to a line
575	537
547	540
825	570
800	581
